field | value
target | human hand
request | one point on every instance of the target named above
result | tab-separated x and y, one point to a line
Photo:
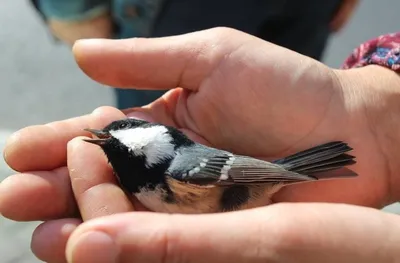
302	100
277	233
42	191
276	101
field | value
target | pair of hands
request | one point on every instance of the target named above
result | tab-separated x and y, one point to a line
235	92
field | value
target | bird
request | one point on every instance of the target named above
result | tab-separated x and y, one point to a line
170	173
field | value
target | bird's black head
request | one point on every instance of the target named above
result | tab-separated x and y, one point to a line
139	152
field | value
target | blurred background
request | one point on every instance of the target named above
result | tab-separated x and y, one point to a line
40	82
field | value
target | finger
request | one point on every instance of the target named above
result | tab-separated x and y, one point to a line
49	240
44	147
94	185
43	195
163	63
280	233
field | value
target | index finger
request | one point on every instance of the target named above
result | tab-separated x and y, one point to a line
95	187
44	147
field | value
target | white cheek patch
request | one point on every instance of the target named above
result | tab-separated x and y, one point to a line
153	142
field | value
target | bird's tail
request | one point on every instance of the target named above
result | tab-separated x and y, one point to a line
325	161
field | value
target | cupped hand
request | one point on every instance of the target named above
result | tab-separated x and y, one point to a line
235	92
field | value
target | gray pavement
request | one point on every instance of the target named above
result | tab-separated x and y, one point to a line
41	83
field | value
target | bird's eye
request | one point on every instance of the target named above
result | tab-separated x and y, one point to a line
123	125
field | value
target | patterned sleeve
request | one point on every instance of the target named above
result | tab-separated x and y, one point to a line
383	51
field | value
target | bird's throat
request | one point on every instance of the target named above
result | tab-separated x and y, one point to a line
134	175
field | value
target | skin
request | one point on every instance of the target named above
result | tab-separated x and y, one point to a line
299	103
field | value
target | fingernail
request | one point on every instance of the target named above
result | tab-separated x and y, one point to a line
92	46
93	246
90	42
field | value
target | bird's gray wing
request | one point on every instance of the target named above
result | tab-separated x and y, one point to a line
215	167
247	170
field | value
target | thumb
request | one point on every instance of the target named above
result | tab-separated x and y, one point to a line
161	63
278	233
152	237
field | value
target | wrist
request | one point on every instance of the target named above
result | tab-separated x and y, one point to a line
370	97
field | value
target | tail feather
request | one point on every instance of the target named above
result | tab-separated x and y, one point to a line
338	161
321	162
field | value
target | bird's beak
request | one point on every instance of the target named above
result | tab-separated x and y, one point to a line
101	135
98	142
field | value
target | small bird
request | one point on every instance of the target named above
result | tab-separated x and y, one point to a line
168	172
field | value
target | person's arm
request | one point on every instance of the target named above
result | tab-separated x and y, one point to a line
70	20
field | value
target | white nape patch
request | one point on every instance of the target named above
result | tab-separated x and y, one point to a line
153	142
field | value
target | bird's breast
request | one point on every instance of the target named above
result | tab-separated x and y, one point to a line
184	202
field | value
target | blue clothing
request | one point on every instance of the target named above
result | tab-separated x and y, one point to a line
302	26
